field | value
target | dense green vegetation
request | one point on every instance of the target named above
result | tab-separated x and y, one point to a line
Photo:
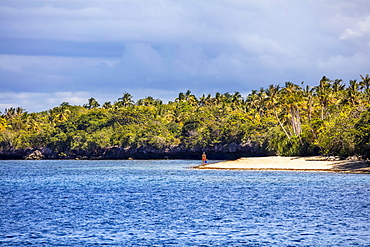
330	118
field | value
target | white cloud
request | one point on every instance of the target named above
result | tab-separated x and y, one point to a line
35	102
359	29
44	101
337	66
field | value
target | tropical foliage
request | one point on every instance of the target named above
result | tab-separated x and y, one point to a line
330	118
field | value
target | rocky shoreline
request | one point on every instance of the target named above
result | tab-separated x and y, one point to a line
240	158
227	152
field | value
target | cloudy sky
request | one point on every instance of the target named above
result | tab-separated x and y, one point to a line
71	50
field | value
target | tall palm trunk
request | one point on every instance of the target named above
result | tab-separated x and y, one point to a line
281	124
296	122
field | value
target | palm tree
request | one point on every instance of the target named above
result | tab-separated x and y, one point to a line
236	100
125	100
261	98
63	115
338	89
192	100
187	94
365	84
272	102
32	123
324	95
14	117
107	105
64	104
252	102
226	98
205	100
19	111
150	101
10	113
338	85
353	92
92	103
309	101
180	98
217	98
292	93
14	112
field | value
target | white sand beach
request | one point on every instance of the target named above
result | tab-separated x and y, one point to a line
291	163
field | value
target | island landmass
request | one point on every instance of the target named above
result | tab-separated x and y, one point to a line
295	120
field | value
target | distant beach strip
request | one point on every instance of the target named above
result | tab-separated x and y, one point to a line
277	163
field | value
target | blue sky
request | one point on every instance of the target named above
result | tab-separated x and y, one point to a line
56	51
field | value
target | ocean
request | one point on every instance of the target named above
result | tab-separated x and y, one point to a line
165	203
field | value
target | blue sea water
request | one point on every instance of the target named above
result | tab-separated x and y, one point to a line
164	203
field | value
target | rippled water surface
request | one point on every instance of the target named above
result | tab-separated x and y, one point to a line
163	203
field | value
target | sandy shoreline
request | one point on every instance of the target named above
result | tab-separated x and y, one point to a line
291	164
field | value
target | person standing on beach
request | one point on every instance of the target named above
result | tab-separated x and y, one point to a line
204	158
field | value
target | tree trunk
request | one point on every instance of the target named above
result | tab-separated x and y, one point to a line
296	122
281	125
